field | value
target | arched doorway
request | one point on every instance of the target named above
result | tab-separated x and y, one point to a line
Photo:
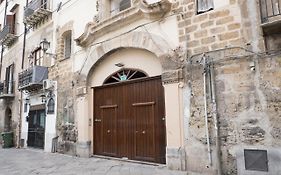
129	107
8	120
129	117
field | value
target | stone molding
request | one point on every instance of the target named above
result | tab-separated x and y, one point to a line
141	10
172	76
81	91
140	40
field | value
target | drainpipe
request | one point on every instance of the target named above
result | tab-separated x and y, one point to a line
215	115
205	110
2	46
22	67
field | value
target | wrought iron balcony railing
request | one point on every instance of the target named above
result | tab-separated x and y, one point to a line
7	35
269	9
36	11
7	89
32	78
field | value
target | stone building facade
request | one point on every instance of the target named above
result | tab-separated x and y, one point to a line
218	63
244	115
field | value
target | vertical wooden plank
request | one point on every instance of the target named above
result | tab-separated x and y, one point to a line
11	23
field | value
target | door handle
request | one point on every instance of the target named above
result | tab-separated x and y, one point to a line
108	131
143	132
97	120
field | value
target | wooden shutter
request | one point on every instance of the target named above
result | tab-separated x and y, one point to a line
67	45
9	79
204	5
7	73
11	23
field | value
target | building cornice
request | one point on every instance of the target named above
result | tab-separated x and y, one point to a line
142	10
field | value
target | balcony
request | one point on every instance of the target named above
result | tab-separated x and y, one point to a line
270	15
7	89
7	35
32	78
36	12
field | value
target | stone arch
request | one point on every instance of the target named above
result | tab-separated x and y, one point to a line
141	40
8	119
142	60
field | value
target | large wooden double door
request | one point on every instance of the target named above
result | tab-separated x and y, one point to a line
129	120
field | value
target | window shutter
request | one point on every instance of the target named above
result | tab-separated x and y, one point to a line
67	46
124	4
12	71
204	5
11	23
11	78
7	73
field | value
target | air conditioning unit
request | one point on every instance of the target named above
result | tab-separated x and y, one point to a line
48	84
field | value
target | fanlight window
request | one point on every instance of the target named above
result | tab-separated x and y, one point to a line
125	75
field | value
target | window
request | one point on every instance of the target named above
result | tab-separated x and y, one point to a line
51	106
67	45
37	57
25	107
11	23
9	79
124	4
204	6
124	75
119	5
44	4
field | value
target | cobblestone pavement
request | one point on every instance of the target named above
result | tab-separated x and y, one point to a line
30	162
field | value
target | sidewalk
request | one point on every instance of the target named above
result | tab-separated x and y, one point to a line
29	162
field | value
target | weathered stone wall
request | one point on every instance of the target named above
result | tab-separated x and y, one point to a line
247	84
62	72
223	27
248	101
273	41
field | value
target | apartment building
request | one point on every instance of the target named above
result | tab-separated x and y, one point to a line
10	65
193	84
29	37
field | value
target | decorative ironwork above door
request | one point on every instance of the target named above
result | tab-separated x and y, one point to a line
125	75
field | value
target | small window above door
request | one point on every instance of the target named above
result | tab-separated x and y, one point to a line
117	6
125	75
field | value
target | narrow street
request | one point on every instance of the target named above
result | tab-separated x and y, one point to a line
29	162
